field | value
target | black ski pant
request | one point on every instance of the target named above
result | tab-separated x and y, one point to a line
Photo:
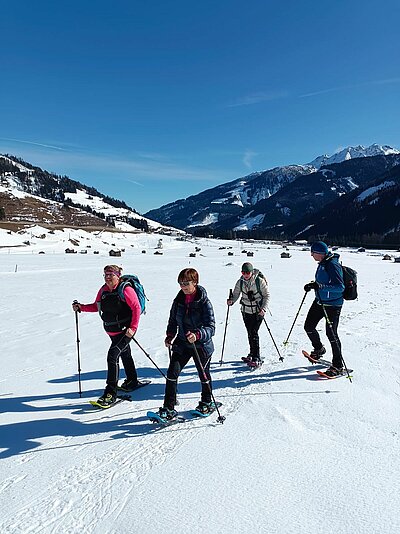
315	314
120	348
252	322
176	364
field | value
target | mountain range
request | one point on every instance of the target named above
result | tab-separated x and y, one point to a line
29	194
352	197
301	201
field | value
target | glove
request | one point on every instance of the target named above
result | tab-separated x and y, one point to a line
168	341
191	337
130	332
310	286
76	306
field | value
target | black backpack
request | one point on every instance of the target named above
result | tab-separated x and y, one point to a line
350	283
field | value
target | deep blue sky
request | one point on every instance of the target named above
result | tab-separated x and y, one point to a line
154	100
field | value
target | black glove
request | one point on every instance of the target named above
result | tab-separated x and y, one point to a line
310	286
168	341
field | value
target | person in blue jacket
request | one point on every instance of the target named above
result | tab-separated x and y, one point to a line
329	287
191	323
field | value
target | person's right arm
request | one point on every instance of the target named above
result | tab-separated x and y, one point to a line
235	294
93	307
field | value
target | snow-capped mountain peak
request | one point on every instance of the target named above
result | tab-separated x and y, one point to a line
352	152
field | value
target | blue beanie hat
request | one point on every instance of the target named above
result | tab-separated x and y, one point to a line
319	247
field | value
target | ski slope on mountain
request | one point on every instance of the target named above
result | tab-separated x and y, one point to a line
296	454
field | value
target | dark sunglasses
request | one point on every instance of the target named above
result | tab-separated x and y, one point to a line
185	283
246	272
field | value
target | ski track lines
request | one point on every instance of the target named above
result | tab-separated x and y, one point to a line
116	469
8	482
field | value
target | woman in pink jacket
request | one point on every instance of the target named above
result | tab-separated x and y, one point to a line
120	312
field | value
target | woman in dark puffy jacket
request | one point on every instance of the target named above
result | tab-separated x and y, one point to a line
191	323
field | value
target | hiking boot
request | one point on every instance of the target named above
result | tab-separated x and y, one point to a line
205	407
129	385
107	399
167	414
256	362
246	359
333	372
317	354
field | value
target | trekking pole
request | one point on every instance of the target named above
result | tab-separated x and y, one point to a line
272	337
226	324
177	392
221	418
295	319
149	357
329	323
77	349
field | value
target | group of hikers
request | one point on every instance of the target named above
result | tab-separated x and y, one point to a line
191	325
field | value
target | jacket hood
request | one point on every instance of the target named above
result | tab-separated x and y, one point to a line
331	257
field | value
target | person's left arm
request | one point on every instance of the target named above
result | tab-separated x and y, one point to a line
264	294
133	302
206	331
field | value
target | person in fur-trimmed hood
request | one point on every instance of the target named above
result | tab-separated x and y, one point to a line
252	286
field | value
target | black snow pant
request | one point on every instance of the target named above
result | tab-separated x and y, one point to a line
176	364
119	349
315	314
252	322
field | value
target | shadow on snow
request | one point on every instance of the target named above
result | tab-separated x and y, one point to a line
22	437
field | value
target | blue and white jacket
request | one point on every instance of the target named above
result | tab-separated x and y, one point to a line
329	277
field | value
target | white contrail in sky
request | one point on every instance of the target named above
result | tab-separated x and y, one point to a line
353	86
32	143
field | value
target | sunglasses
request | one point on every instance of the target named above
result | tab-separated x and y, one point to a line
246	272
111	273
185	283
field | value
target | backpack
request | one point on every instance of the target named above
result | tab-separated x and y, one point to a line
133	281
350	283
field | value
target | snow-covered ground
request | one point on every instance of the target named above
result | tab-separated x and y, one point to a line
296	454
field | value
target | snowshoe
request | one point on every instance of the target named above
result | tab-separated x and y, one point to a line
204	409
255	364
165	417
108	400
131	385
317	354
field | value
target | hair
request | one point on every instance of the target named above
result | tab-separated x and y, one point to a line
188	274
115	268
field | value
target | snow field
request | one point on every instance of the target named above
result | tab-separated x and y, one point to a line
296	454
